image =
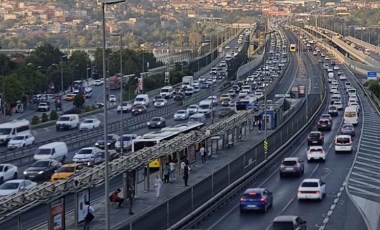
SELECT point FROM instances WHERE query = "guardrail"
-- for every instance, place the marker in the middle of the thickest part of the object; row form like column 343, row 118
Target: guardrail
column 248, row 174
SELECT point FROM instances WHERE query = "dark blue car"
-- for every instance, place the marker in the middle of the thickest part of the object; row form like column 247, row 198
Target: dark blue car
column 256, row 199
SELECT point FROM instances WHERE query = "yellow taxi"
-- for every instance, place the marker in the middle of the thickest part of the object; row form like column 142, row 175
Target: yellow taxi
column 66, row 171
column 69, row 97
column 224, row 97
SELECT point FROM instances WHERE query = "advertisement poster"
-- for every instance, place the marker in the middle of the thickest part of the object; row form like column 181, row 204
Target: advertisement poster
column 192, row 155
column 57, row 214
column 82, row 197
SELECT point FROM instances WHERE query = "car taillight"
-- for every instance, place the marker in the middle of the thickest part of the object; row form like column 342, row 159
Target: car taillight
column 262, row 200
column 318, row 192
column 282, row 166
column 242, row 199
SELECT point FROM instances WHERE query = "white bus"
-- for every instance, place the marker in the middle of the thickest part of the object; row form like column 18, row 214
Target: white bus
column 165, row 134
column 350, row 115
column 11, row 129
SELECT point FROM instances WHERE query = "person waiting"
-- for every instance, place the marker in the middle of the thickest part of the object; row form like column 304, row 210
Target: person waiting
column 116, row 198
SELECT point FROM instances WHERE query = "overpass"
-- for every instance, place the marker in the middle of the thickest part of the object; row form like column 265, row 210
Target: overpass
column 336, row 38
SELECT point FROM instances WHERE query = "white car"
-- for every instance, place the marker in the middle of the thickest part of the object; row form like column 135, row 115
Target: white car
column 124, row 107
column 14, row 186
column 343, row 143
column 98, row 82
column 21, row 141
column 89, row 123
column 354, row 104
column 196, row 89
column 338, row 104
column 214, row 100
column 342, row 77
column 311, row 189
column 112, row 98
column 160, row 103
column 192, row 109
column 86, row 155
column 181, row 115
column 316, row 153
column 7, row 172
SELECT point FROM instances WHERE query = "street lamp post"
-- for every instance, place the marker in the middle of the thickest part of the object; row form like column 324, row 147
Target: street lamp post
column 121, row 91
column 106, row 156
column 62, row 89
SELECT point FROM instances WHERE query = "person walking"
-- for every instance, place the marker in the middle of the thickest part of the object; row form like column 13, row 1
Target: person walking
column 172, row 170
column 88, row 213
column 259, row 125
column 186, row 172
column 166, row 173
column 130, row 197
column 157, row 185
column 115, row 197
column 202, row 151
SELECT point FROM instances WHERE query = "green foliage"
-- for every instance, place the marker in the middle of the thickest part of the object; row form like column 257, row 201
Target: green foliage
column 79, row 100
column 44, row 118
column 13, row 87
column 93, row 107
column 53, row 115
column 45, row 55
column 374, row 87
column 35, row 120
column 87, row 109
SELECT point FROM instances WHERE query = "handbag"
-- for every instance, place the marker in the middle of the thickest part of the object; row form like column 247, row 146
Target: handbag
column 89, row 217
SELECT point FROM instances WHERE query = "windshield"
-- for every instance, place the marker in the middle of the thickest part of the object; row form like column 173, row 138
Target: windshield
column 41, row 164
column 88, row 121
column 160, row 100
column 204, row 106
column 314, row 134
column 9, row 186
column 5, row 131
column 252, row 195
column 193, row 107
column 139, row 99
column 350, row 114
column 1, row 168
column 43, row 151
column 164, row 90
column 64, row 119
column 343, row 140
column 156, row 119
column 66, row 169
column 85, row 151
column 181, row 112
column 289, row 163
column 18, row 138
column 127, row 138
column 309, row 184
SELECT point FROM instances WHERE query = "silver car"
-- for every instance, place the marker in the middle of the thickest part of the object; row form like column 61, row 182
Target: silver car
column 192, row 109
column 292, row 165
column 181, row 115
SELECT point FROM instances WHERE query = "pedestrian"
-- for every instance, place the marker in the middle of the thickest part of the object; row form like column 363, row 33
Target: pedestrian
column 172, row 170
column 115, row 197
column 88, row 213
column 166, row 173
column 186, row 172
column 183, row 164
column 130, row 197
column 202, row 151
column 157, row 185
column 259, row 125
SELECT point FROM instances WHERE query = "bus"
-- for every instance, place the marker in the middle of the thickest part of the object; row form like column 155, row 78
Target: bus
column 13, row 128
column 114, row 82
column 350, row 115
column 165, row 134
column 293, row 48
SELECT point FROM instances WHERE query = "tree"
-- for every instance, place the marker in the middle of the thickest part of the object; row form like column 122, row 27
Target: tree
column 53, row 115
column 45, row 55
column 35, row 120
column 79, row 100
column 44, row 118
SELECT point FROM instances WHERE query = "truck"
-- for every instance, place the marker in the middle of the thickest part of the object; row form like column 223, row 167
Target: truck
column 187, row 81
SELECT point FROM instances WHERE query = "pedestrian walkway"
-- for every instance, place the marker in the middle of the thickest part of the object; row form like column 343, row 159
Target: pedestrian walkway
column 147, row 200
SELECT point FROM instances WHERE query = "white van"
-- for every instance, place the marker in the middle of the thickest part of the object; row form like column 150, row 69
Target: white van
column 351, row 92
column 142, row 99
column 67, row 122
column 11, row 129
column 55, row 150
column 205, row 107
column 197, row 118
column 166, row 92
column 343, row 143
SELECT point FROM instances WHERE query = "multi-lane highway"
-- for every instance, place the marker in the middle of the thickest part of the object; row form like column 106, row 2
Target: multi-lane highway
column 33, row 217
column 333, row 171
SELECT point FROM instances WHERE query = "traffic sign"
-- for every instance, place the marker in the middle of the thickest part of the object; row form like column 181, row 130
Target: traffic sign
column 371, row 75
column 266, row 145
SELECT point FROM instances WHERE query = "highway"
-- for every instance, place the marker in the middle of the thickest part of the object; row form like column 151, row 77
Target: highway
column 34, row 216
column 333, row 172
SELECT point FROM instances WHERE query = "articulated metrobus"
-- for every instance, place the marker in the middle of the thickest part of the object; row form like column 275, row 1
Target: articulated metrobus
column 165, row 134
column 293, row 48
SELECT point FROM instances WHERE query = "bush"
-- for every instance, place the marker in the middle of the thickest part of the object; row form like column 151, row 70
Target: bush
column 35, row 120
column 53, row 115
column 44, row 118
column 93, row 107
column 87, row 109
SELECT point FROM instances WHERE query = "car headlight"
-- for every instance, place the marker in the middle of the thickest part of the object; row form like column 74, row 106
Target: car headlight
column 25, row 172
column 40, row 172
column 148, row 123
column 140, row 110
column 158, row 123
